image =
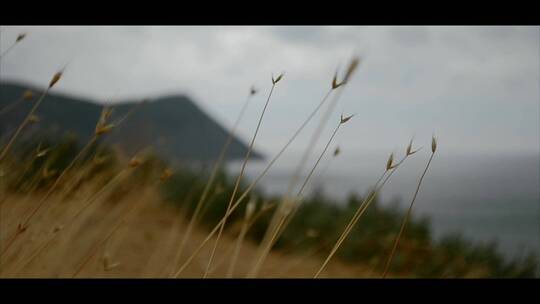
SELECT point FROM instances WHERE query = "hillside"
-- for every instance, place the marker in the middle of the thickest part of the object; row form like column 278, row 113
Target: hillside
column 174, row 125
column 144, row 246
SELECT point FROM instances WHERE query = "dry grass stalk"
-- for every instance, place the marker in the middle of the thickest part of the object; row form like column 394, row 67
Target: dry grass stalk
column 250, row 209
column 101, row 124
column 134, row 108
column 239, row 178
column 353, row 64
column 131, row 210
column 55, row 184
column 29, row 162
column 26, row 96
column 133, row 163
column 19, row 38
column 257, row 179
column 302, row 258
column 85, row 205
column 102, row 127
column 81, row 173
column 172, row 234
column 390, row 169
column 217, row 165
column 407, row 216
column 260, row 176
column 253, row 218
column 254, row 183
column 6, row 149
column 33, row 119
column 34, row 182
column 176, row 258
column 336, row 153
column 290, row 205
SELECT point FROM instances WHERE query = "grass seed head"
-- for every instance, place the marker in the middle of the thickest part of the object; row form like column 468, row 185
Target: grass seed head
column 106, row 113
column 345, row 119
column 350, row 70
column 107, row 265
column 28, row 95
column 100, row 130
column 433, row 144
column 167, row 173
column 33, row 118
column 337, row 151
column 41, row 153
column 20, row 37
column 389, row 163
column 135, row 162
column 55, row 79
column 21, row 228
column 274, row 81
column 102, row 126
column 335, row 83
column 409, row 150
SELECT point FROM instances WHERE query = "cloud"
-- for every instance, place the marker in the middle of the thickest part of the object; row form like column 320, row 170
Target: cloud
column 474, row 86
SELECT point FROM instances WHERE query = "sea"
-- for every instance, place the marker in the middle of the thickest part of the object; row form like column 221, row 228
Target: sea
column 485, row 198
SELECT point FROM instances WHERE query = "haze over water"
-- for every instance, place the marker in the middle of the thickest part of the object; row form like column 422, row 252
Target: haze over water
column 485, row 198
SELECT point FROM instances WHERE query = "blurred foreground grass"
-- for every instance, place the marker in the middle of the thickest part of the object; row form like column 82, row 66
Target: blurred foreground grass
column 135, row 228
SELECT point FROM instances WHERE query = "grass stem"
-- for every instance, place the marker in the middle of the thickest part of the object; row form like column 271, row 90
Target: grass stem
column 239, row 178
column 405, row 220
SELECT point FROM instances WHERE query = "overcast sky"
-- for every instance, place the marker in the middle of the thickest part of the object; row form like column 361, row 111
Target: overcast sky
column 476, row 88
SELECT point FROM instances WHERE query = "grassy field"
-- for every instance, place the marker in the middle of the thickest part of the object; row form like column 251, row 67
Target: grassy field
column 144, row 244
column 129, row 218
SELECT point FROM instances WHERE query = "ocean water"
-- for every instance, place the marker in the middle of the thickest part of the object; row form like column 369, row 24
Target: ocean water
column 484, row 198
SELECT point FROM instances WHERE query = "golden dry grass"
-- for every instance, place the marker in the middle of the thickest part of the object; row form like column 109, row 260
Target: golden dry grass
column 143, row 246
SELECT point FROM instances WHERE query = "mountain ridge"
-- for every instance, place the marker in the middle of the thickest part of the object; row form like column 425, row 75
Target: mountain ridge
column 176, row 127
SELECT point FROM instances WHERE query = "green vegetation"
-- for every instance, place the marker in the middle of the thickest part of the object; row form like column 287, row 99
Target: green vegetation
column 319, row 221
